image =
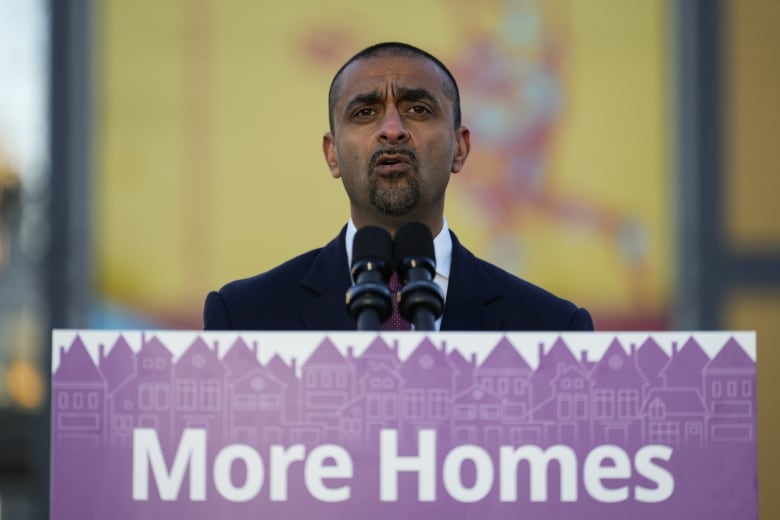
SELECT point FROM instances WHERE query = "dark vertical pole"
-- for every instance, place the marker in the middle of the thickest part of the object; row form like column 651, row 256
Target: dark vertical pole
column 68, row 281
column 700, row 164
column 711, row 166
column 70, row 103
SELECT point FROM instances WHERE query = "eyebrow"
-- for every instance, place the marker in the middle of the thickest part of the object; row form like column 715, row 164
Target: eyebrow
column 403, row 94
column 367, row 98
column 416, row 94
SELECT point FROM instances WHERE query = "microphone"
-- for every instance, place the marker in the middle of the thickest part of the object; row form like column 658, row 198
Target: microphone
column 422, row 301
column 369, row 301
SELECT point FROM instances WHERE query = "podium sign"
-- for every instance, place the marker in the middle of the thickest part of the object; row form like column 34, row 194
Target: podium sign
column 337, row 425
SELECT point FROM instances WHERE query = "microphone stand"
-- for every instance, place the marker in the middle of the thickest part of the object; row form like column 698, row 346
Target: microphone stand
column 422, row 301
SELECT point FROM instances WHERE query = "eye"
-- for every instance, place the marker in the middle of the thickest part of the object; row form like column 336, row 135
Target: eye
column 364, row 112
column 420, row 109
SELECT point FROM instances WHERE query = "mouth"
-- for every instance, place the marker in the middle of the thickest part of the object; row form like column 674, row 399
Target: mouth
column 389, row 164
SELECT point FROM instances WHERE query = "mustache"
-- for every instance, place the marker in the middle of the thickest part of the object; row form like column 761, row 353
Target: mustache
column 381, row 152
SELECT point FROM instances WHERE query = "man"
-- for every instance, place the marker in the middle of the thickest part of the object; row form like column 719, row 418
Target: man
column 395, row 138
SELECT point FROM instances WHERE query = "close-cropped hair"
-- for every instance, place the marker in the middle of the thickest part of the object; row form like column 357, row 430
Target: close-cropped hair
column 390, row 49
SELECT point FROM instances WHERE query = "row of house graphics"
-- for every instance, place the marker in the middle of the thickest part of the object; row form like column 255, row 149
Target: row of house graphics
column 632, row 395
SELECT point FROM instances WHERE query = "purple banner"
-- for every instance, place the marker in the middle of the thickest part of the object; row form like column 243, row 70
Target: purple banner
column 350, row 425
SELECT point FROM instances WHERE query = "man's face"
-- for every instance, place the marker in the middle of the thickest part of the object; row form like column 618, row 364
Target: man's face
column 394, row 144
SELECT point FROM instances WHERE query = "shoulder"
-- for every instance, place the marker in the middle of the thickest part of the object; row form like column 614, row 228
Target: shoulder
column 271, row 300
column 264, row 301
column 293, row 273
column 534, row 307
column 516, row 288
column 280, row 277
column 526, row 306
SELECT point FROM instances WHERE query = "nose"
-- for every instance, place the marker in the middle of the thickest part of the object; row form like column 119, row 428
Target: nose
column 392, row 129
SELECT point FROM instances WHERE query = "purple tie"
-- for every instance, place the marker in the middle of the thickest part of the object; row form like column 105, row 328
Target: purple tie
column 395, row 321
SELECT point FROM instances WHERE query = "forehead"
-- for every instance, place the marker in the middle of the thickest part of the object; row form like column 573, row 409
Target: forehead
column 378, row 73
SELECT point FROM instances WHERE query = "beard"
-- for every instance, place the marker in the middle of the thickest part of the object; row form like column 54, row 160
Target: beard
column 396, row 197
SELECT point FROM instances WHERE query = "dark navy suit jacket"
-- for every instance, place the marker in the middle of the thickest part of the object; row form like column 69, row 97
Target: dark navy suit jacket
column 308, row 293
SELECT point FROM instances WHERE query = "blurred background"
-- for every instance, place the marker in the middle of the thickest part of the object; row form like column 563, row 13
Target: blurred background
column 625, row 156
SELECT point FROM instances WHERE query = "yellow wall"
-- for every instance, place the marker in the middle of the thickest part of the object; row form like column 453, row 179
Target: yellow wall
column 210, row 116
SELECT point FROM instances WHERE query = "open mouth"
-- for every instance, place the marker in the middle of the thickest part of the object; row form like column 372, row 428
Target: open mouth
column 390, row 161
column 393, row 162
column 391, row 165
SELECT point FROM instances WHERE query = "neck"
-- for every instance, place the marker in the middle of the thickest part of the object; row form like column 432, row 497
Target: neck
column 391, row 224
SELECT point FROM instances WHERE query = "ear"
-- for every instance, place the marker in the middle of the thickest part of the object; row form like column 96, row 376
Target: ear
column 463, row 140
column 331, row 157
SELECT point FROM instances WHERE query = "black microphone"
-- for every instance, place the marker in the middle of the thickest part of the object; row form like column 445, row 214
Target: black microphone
column 422, row 301
column 369, row 301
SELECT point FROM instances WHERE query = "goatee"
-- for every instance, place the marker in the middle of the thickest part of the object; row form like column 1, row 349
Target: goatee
column 396, row 197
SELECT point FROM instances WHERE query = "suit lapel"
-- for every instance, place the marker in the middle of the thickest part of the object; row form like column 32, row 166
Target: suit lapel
column 469, row 292
column 327, row 282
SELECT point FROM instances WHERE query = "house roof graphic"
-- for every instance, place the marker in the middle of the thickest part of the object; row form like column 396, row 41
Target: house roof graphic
column 458, row 361
column 240, row 359
column 326, row 354
column 504, row 355
column 281, row 370
column 154, row 348
column 731, row 356
column 119, row 364
column 379, row 348
column 691, row 359
column 477, row 395
column 651, row 359
column 200, row 359
column 617, row 369
column 76, row 365
column 676, row 401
